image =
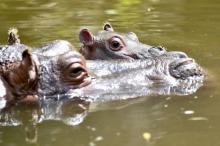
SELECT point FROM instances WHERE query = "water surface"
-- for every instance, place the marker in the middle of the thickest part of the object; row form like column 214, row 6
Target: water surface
column 191, row 26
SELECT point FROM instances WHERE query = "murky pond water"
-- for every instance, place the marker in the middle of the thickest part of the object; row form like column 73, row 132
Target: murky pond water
column 191, row 26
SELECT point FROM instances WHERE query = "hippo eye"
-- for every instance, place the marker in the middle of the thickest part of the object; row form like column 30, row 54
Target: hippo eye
column 116, row 44
column 74, row 72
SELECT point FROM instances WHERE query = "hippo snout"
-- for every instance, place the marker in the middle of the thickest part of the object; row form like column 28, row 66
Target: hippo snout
column 184, row 68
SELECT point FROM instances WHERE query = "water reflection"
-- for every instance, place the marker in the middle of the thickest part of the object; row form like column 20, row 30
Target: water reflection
column 71, row 112
column 73, row 109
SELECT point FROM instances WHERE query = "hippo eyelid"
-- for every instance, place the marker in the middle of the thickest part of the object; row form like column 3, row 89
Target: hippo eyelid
column 74, row 72
column 77, row 70
column 118, row 37
column 78, row 62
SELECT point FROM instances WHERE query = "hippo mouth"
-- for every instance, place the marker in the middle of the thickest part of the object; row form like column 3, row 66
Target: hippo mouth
column 184, row 68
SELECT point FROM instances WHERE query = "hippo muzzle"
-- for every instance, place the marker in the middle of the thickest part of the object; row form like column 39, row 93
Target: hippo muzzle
column 184, row 68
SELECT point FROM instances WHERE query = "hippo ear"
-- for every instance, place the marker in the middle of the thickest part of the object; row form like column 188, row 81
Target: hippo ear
column 86, row 37
column 23, row 79
column 27, row 59
column 29, row 65
column 13, row 37
column 108, row 27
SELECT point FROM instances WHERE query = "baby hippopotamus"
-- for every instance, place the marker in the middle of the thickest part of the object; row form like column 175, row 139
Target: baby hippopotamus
column 108, row 44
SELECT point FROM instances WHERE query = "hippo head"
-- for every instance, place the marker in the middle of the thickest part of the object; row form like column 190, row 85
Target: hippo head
column 61, row 72
column 52, row 69
column 109, row 44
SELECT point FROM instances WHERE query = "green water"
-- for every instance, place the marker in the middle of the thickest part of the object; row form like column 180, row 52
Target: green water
column 192, row 26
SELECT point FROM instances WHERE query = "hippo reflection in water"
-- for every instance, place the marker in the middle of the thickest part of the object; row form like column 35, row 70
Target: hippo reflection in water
column 57, row 69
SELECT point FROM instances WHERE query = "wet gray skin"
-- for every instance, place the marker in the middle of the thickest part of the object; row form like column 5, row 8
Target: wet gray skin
column 108, row 44
column 120, row 79
column 56, row 70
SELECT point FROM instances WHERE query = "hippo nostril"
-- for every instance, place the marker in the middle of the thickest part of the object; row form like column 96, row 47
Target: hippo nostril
column 176, row 54
column 157, row 51
column 160, row 48
column 181, row 55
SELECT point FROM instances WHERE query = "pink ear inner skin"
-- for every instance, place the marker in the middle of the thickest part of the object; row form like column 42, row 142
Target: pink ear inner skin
column 85, row 37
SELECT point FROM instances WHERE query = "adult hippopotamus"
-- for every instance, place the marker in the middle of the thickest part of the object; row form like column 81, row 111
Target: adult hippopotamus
column 57, row 70
column 24, row 73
